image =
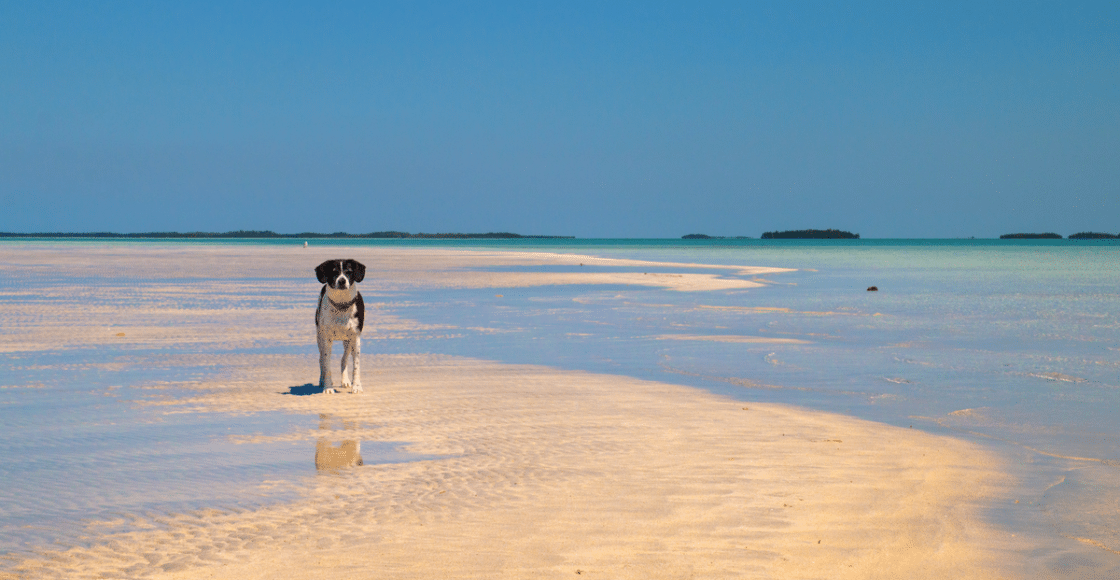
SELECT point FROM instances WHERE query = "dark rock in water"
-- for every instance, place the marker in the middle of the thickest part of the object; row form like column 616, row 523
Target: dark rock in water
column 696, row 237
column 1047, row 236
column 872, row 288
column 810, row 235
column 1093, row 236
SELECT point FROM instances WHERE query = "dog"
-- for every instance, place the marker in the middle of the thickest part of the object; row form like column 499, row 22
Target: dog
column 340, row 316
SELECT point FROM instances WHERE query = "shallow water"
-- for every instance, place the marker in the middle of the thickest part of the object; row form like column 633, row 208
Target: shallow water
column 86, row 446
column 1016, row 347
column 1012, row 345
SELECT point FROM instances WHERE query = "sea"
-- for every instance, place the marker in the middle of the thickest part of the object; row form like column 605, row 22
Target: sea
column 1011, row 344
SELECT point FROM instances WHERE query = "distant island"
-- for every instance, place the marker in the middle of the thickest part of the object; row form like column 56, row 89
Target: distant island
column 266, row 234
column 810, row 235
column 1046, row 236
column 707, row 237
column 1093, row 236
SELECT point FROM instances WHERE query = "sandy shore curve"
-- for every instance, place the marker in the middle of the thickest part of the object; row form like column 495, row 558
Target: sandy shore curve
column 532, row 472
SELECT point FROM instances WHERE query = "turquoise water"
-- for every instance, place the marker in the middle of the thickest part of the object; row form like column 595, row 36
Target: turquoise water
column 1014, row 344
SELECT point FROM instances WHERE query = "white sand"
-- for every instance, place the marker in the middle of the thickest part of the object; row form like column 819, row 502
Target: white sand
column 541, row 473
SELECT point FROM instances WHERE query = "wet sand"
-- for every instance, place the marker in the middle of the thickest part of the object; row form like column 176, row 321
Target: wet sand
column 530, row 471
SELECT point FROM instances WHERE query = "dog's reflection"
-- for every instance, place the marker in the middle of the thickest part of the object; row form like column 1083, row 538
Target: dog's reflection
column 330, row 456
column 345, row 454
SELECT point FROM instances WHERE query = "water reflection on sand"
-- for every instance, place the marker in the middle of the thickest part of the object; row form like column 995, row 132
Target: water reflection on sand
column 335, row 456
column 348, row 453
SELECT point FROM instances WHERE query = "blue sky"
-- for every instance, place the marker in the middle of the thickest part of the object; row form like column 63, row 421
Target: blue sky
column 593, row 119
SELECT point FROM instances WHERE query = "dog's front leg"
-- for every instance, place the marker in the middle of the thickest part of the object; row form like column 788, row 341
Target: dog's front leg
column 346, row 348
column 325, row 364
column 356, row 354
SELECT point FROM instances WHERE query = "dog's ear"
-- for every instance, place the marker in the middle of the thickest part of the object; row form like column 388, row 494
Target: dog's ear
column 359, row 270
column 322, row 271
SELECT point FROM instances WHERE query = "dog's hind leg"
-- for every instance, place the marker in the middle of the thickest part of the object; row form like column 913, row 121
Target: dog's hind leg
column 325, row 364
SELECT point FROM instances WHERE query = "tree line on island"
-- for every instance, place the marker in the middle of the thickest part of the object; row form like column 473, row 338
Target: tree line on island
column 1053, row 236
column 786, row 235
column 267, row 234
column 831, row 234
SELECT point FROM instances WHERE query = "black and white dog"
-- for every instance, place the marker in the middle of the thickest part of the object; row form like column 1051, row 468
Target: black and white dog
column 340, row 316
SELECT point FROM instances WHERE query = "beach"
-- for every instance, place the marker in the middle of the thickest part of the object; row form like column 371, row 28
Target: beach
column 505, row 469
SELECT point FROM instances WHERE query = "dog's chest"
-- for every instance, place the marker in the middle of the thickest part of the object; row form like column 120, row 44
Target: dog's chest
column 337, row 324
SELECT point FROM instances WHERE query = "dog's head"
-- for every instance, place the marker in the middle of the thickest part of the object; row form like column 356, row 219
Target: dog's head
column 340, row 274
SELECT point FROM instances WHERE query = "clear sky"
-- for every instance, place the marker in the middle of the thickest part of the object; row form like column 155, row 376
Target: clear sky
column 592, row 119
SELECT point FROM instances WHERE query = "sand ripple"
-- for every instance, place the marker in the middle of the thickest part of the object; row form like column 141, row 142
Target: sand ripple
column 542, row 473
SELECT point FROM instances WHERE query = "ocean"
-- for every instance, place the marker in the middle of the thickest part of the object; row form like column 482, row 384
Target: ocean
column 1012, row 344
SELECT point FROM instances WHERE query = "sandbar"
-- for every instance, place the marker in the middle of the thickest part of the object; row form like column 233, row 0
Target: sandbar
column 527, row 471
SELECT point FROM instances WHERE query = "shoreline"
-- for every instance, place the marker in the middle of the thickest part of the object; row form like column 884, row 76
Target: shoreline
column 540, row 471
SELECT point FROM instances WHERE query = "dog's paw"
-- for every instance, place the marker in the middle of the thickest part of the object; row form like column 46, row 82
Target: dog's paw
column 356, row 388
column 345, row 384
column 329, row 390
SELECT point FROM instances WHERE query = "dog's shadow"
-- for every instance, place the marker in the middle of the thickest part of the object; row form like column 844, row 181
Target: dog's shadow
column 304, row 390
